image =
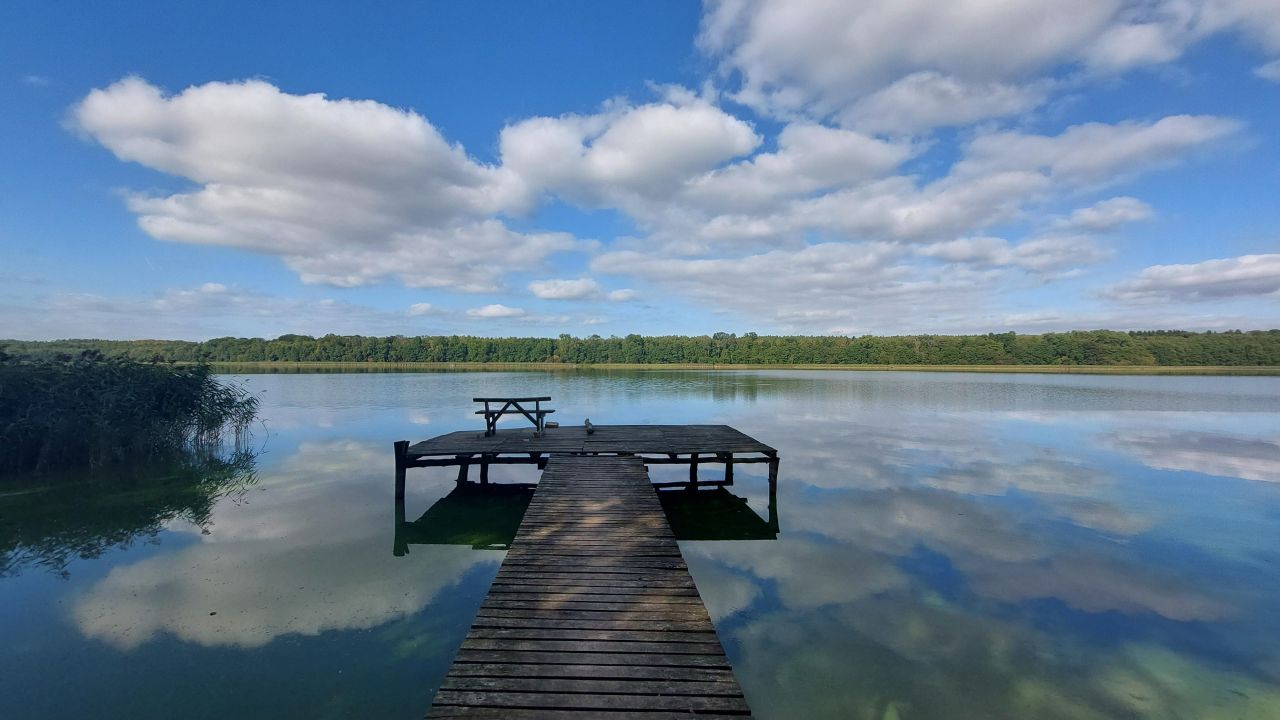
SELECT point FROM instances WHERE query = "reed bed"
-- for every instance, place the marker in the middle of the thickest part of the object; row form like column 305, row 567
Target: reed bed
column 91, row 410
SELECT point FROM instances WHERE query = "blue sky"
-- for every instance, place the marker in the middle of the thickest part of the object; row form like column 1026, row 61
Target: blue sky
column 252, row 169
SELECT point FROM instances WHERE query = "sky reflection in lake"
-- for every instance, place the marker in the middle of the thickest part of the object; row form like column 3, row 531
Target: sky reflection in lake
column 951, row 546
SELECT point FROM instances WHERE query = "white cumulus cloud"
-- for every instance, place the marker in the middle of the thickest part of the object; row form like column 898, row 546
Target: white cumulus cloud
column 565, row 289
column 1108, row 214
column 346, row 192
column 625, row 153
column 1269, row 71
column 1244, row 276
column 868, row 62
column 496, row 310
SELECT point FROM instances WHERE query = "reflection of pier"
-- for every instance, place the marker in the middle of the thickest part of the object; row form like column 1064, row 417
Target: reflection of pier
column 718, row 514
column 593, row 610
column 487, row 517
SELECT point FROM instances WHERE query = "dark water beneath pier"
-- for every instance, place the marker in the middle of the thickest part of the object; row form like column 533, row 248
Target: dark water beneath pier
column 951, row 546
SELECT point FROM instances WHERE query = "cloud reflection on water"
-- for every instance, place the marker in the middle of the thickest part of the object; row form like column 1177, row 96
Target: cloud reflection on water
column 1248, row 458
column 307, row 554
column 852, row 617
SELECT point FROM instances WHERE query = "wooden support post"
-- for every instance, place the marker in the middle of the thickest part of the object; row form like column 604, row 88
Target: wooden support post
column 402, row 450
column 463, row 466
column 484, row 469
column 728, row 468
column 400, row 545
column 693, row 470
column 773, row 493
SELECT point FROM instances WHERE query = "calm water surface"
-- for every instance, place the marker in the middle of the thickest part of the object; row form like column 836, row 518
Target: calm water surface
column 951, row 546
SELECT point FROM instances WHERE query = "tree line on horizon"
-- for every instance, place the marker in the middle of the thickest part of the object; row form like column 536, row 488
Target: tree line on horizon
column 1092, row 347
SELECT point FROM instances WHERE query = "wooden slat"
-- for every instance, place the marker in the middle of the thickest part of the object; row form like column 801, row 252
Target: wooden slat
column 537, row 633
column 608, row 672
column 628, row 686
column 582, row 701
column 593, row 612
column 554, row 623
column 561, row 658
column 488, row 713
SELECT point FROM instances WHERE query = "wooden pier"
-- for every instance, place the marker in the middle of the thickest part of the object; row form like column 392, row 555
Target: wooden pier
column 593, row 612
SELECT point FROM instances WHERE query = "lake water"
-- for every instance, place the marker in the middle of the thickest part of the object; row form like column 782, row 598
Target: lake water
column 951, row 546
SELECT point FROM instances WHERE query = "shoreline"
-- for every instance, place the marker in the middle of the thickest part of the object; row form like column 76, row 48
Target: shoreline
column 278, row 365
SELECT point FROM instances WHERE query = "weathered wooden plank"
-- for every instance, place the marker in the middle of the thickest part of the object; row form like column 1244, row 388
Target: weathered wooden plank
column 597, row 535
column 597, row 593
column 588, row 685
column 451, row 712
column 692, row 703
column 554, row 623
column 535, row 633
column 622, row 555
column 625, row 572
column 671, row 609
column 634, row 592
column 569, row 580
column 606, row 672
column 594, row 646
column 665, row 612
column 584, row 658
column 515, row 557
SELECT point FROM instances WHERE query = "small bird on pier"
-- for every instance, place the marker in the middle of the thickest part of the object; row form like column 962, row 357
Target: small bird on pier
column 590, row 428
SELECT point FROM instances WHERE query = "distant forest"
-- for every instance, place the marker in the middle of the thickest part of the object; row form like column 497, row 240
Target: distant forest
column 1094, row 347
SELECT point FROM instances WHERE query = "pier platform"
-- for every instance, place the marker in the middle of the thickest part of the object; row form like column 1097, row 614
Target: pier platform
column 691, row 445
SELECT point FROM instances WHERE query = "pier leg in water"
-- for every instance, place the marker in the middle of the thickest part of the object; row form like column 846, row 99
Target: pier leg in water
column 773, row 496
column 400, row 545
column 773, row 493
column 728, row 468
column 693, row 470
column 402, row 448
column 484, row 469
column 462, row 469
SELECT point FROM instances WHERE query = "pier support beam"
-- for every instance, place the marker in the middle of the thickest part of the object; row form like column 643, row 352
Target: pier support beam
column 773, row 496
column 402, row 449
column 399, row 544
column 773, row 492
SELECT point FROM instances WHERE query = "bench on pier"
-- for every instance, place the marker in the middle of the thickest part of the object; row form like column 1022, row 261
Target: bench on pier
column 513, row 406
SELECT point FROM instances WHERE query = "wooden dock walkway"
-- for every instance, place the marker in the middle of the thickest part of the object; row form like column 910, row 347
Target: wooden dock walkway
column 593, row 613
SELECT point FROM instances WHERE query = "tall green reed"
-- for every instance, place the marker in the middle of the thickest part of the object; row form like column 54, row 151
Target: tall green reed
column 92, row 410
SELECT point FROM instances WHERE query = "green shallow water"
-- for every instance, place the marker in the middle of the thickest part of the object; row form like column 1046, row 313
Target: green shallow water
column 948, row 546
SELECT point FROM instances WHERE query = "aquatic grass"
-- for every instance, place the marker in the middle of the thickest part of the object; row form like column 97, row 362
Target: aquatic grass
column 91, row 410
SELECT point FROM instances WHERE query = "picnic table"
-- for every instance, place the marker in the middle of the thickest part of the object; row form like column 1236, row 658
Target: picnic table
column 513, row 406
